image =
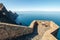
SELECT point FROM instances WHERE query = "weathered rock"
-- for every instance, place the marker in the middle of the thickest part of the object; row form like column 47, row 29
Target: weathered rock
column 7, row 16
column 1, row 6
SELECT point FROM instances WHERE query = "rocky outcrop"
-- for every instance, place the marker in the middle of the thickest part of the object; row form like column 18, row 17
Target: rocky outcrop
column 7, row 16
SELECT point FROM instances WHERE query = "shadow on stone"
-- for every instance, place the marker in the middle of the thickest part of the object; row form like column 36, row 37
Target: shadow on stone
column 55, row 33
column 28, row 36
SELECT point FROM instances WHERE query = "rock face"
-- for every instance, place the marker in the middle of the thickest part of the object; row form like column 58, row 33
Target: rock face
column 38, row 30
column 7, row 16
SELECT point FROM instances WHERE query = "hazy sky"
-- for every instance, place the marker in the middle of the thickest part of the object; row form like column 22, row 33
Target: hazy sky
column 32, row 5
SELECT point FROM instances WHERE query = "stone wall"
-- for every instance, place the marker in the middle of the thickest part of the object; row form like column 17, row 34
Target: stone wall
column 12, row 31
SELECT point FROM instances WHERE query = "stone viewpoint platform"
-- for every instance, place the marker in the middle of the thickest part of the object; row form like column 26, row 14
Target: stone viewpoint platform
column 38, row 30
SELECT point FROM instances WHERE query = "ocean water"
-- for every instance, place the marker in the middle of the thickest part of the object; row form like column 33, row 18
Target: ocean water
column 28, row 16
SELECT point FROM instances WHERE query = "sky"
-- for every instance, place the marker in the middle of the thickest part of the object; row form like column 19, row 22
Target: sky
column 32, row 5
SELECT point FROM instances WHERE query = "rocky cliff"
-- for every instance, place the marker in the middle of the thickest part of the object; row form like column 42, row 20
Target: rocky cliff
column 7, row 16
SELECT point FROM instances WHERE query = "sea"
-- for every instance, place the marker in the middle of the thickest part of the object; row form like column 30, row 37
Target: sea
column 26, row 17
